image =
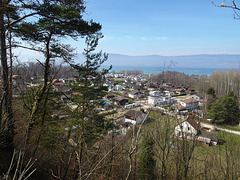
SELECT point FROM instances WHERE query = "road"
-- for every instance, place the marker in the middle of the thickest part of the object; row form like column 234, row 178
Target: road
column 220, row 129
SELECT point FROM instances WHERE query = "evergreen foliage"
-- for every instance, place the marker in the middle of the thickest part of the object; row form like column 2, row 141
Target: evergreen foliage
column 50, row 22
column 226, row 110
column 88, row 92
column 211, row 91
column 55, row 20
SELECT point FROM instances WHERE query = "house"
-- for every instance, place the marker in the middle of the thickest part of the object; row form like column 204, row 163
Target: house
column 167, row 84
column 180, row 91
column 191, row 129
column 159, row 100
column 207, row 138
column 68, row 81
column 60, row 87
column 155, row 93
column 189, row 104
column 133, row 105
column 120, row 101
column 135, row 94
column 137, row 78
column 190, row 91
column 108, row 84
column 116, row 88
column 207, row 129
column 109, row 75
column 194, row 96
column 188, row 128
column 34, row 84
column 134, row 117
column 119, row 75
column 169, row 93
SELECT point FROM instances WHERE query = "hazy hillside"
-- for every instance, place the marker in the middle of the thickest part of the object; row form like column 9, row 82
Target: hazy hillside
column 193, row 61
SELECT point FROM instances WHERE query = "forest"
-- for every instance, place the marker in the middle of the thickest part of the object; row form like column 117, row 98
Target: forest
column 43, row 138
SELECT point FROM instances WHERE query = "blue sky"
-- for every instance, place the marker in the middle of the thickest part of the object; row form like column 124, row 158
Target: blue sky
column 170, row 27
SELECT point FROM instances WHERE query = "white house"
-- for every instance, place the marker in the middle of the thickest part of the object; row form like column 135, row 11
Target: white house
column 189, row 104
column 169, row 93
column 192, row 130
column 119, row 75
column 194, row 96
column 137, row 78
column 135, row 94
column 108, row 84
column 155, row 93
column 188, row 128
column 109, row 75
column 133, row 105
column 134, row 117
column 116, row 88
column 159, row 100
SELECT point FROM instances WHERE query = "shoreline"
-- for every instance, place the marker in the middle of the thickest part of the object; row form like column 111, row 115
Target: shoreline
column 156, row 70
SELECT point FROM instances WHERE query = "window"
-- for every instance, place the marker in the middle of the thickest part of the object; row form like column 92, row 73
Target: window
column 188, row 128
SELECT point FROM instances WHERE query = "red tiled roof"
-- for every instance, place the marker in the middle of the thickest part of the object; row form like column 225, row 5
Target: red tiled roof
column 206, row 128
column 58, row 84
column 14, row 76
column 193, row 123
column 189, row 100
column 76, row 93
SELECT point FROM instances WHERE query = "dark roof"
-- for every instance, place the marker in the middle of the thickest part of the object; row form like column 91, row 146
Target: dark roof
column 193, row 123
column 134, row 114
column 120, row 98
column 210, row 135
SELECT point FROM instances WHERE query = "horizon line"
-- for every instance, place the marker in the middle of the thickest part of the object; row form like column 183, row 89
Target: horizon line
column 176, row 55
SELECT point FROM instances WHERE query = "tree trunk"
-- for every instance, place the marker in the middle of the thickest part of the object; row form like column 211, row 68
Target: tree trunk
column 6, row 124
column 40, row 97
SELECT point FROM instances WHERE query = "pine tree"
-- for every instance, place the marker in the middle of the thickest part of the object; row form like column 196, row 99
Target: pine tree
column 89, row 87
column 226, row 110
column 87, row 93
column 52, row 21
column 55, row 20
column 211, row 91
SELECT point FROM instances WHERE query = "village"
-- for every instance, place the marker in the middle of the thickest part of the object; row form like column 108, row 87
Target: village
column 130, row 97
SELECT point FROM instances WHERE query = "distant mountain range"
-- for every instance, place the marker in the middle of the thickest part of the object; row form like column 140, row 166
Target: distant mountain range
column 187, row 61
column 221, row 61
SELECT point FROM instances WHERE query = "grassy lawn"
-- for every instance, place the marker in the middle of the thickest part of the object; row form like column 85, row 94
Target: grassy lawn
column 227, row 138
